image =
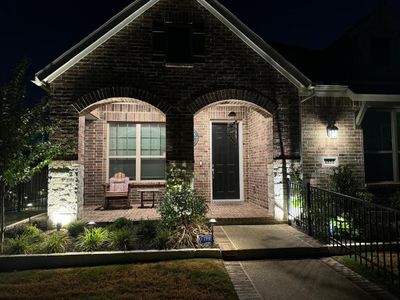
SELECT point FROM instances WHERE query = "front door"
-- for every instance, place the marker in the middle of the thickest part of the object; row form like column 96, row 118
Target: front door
column 225, row 161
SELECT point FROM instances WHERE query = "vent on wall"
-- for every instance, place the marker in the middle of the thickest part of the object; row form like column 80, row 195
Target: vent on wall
column 330, row 162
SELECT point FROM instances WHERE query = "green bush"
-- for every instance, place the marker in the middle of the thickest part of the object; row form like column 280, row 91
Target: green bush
column 147, row 229
column 162, row 239
column 18, row 245
column 182, row 206
column 27, row 240
column 120, row 223
column 15, row 231
column 121, row 239
column 54, row 243
column 344, row 181
column 93, row 239
column 76, row 228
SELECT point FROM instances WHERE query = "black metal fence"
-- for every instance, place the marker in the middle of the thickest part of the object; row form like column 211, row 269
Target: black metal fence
column 28, row 196
column 367, row 231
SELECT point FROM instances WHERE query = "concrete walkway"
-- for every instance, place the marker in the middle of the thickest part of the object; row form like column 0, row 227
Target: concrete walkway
column 319, row 278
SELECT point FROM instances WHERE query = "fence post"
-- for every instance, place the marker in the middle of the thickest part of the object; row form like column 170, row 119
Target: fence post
column 308, row 208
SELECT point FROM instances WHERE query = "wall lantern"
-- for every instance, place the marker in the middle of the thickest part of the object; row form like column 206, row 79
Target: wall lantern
column 232, row 115
column 332, row 130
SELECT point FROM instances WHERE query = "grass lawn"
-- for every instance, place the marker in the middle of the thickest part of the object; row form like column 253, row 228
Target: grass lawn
column 13, row 217
column 372, row 275
column 186, row 279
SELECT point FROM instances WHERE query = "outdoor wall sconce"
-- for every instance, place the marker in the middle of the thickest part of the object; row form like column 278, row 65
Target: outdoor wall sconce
column 332, row 130
column 232, row 115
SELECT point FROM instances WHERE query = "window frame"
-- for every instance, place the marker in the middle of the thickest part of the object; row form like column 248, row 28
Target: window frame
column 395, row 151
column 138, row 157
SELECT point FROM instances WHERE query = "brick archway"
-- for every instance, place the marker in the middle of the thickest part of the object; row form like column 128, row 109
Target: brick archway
column 88, row 101
column 249, row 96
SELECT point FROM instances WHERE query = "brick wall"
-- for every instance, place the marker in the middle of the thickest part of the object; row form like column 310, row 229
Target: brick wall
column 126, row 60
column 348, row 147
column 257, row 151
column 259, row 158
column 95, row 154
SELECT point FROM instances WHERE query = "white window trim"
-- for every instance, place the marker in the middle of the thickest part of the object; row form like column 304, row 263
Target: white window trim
column 138, row 157
column 395, row 151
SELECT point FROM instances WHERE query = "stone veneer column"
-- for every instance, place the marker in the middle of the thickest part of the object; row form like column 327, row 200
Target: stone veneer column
column 282, row 169
column 65, row 192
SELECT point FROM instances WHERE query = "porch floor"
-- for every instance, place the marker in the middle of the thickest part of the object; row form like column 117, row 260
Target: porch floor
column 226, row 213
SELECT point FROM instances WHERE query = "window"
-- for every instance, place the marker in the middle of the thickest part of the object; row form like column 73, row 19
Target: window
column 138, row 150
column 178, row 42
column 381, row 146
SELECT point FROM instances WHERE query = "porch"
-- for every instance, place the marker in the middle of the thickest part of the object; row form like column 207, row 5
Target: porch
column 244, row 213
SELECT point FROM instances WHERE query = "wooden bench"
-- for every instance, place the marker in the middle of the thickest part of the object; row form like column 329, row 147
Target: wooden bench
column 142, row 192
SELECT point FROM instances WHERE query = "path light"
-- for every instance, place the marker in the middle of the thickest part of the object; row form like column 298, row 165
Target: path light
column 212, row 222
column 28, row 207
column 332, row 130
column 59, row 225
column 91, row 224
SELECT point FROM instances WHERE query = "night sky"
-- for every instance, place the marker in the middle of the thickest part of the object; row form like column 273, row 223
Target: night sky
column 42, row 29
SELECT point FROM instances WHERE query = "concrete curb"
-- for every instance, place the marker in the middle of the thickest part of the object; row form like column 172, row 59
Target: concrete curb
column 9, row 263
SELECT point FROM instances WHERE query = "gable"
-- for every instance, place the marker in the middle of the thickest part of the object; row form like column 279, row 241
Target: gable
column 136, row 9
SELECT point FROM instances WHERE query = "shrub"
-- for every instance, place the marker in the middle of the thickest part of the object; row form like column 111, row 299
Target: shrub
column 54, row 243
column 93, row 239
column 15, row 231
column 121, row 239
column 33, row 234
column 365, row 195
column 344, row 181
column 395, row 200
column 120, row 223
column 182, row 206
column 76, row 228
column 18, row 245
column 147, row 230
column 162, row 239
column 41, row 223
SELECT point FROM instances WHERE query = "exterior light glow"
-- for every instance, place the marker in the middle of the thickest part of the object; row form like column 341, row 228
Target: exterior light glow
column 332, row 130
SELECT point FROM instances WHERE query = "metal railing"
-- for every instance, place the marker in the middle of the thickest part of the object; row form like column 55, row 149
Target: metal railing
column 367, row 231
column 31, row 195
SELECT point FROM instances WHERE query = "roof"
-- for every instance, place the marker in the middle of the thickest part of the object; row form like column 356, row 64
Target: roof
column 137, row 8
column 350, row 59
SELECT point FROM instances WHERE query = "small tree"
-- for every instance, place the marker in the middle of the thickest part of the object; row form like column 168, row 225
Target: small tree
column 24, row 146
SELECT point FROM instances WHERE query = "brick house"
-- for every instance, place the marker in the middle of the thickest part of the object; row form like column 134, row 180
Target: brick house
column 185, row 82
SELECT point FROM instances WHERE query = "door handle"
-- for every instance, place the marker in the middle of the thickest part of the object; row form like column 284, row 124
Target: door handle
column 213, row 171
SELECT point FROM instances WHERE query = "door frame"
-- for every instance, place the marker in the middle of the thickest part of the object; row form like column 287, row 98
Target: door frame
column 241, row 177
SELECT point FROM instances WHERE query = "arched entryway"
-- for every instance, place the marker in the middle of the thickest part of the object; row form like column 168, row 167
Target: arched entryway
column 233, row 153
column 121, row 134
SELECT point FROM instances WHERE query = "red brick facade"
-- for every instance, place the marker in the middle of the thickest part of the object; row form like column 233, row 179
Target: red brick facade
column 348, row 147
column 257, row 150
column 124, row 67
column 276, row 128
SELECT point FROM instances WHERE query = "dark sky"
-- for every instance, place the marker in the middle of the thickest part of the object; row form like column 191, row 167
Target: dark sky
column 42, row 29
